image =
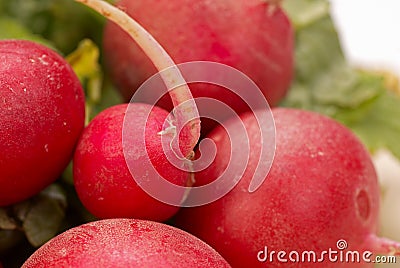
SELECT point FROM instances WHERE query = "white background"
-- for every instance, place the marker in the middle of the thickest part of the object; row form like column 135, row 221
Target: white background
column 370, row 37
column 370, row 31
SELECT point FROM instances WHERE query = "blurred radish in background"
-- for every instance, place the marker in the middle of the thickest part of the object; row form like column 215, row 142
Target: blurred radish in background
column 254, row 37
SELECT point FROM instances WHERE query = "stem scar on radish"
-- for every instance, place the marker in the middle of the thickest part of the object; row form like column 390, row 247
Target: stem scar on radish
column 103, row 179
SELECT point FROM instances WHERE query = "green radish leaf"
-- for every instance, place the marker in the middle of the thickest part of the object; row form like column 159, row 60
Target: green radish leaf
column 38, row 219
column 12, row 29
column 305, row 12
column 100, row 93
column 326, row 83
column 380, row 125
column 63, row 22
column 85, row 62
column 6, row 222
column 45, row 216
column 9, row 239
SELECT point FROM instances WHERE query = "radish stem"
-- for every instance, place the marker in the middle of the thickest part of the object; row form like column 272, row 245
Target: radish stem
column 172, row 77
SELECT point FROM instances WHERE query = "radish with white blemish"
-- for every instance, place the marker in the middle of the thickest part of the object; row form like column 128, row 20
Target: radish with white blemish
column 41, row 117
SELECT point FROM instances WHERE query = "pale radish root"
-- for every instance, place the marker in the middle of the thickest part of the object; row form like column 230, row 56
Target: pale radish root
column 185, row 110
column 382, row 245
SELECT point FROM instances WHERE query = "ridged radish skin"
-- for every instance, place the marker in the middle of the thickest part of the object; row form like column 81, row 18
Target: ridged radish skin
column 101, row 176
column 247, row 34
column 125, row 243
column 41, row 117
column 322, row 188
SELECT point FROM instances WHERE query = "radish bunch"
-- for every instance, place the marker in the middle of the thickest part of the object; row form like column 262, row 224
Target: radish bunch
column 321, row 192
column 322, row 189
column 322, row 184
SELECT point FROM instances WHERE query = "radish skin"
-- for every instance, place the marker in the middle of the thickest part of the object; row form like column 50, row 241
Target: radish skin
column 102, row 179
column 322, row 188
column 41, row 117
column 253, row 36
column 125, row 243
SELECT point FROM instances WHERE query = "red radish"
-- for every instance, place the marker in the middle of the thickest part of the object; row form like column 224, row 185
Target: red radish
column 125, row 243
column 103, row 181
column 322, row 188
column 249, row 35
column 41, row 118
